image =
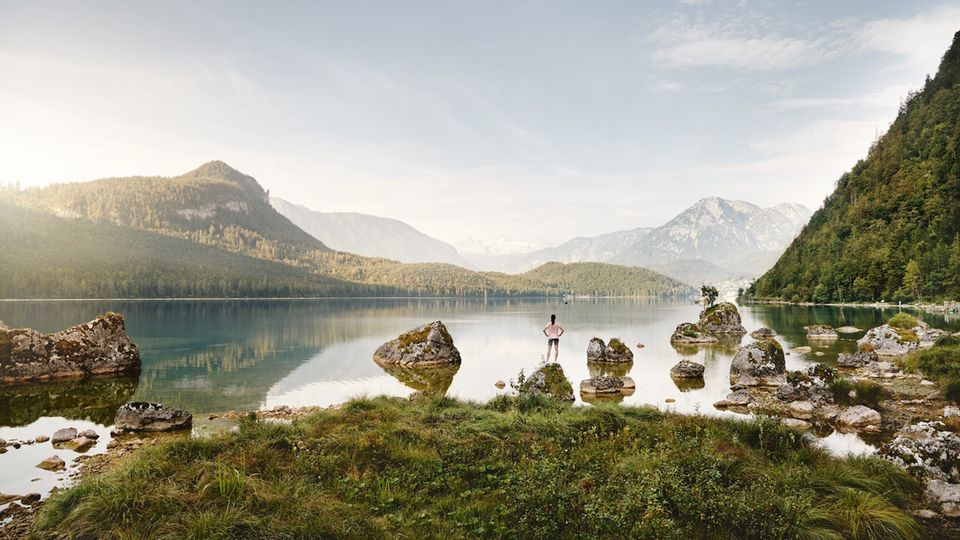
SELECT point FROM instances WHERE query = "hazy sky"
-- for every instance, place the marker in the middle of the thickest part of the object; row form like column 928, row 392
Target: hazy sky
column 520, row 120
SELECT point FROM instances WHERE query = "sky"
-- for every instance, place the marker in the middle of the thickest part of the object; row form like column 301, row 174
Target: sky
column 509, row 123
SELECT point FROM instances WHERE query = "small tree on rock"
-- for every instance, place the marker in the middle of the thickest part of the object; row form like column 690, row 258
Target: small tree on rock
column 709, row 294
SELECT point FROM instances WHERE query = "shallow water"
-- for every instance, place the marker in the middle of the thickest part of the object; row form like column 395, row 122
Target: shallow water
column 213, row 356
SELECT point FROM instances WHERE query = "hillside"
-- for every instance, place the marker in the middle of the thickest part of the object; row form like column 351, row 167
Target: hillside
column 367, row 235
column 890, row 229
column 43, row 256
column 223, row 221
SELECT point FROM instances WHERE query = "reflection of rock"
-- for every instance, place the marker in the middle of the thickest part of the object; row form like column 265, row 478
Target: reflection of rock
column 688, row 384
column 99, row 347
column 614, row 352
column 549, row 380
column 596, row 399
column 762, row 333
column 95, row 399
column 432, row 380
column 758, row 364
column 722, row 318
column 427, row 345
column 140, row 416
column 598, row 369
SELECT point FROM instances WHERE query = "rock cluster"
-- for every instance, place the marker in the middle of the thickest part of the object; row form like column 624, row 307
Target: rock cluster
column 889, row 341
column 758, row 364
column 810, row 385
column 821, row 331
column 857, row 359
column 99, row 347
column 932, row 454
column 141, row 416
column 685, row 369
column 425, row 346
column 614, row 352
column 762, row 333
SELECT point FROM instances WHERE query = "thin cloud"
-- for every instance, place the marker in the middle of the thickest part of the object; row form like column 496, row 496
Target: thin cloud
column 920, row 39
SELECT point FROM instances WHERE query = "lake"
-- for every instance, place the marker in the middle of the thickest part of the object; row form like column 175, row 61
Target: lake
column 215, row 356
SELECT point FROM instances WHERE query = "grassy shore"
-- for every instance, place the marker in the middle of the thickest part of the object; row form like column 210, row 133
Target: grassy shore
column 524, row 467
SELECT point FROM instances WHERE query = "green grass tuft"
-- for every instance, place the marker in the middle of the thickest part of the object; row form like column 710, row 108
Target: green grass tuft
column 903, row 320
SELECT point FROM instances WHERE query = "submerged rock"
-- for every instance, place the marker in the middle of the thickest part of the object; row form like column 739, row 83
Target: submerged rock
column 758, row 364
column 99, row 347
column 614, row 352
column 52, row 463
column 141, row 416
column 685, row 369
column 821, row 331
column 762, row 333
column 722, row 318
column 549, row 380
column 424, row 346
column 690, row 333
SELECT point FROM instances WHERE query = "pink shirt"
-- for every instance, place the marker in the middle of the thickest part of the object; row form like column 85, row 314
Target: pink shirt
column 553, row 330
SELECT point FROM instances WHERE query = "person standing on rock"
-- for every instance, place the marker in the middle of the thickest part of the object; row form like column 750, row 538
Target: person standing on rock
column 553, row 331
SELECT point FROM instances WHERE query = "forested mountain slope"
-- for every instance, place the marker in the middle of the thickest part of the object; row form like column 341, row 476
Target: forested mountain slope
column 890, row 229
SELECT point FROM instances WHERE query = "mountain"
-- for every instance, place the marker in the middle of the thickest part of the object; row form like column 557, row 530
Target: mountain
column 217, row 214
column 891, row 228
column 718, row 231
column 368, row 235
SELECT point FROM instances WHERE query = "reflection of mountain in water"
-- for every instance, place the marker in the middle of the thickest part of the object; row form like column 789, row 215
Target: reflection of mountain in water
column 96, row 400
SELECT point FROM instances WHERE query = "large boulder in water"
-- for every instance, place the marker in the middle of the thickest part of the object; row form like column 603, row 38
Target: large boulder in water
column 690, row 334
column 721, row 319
column 889, row 341
column 615, row 352
column 549, row 380
column 758, row 364
column 99, row 347
column 140, row 416
column 604, row 384
column 429, row 345
column 685, row 369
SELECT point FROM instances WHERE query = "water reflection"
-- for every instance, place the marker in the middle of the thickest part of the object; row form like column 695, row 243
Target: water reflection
column 687, row 384
column 95, row 400
column 432, row 380
column 608, row 369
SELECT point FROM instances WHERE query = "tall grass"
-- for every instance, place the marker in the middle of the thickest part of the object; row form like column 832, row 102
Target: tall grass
column 526, row 467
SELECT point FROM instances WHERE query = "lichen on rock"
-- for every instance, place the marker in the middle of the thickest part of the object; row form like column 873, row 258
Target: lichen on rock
column 760, row 363
column 425, row 346
column 616, row 351
column 722, row 318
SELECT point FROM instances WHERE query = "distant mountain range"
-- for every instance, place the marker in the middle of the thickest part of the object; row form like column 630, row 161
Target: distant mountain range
column 213, row 232
column 713, row 240
column 371, row 236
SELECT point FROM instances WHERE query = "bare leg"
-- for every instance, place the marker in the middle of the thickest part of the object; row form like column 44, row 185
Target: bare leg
column 556, row 351
column 547, row 357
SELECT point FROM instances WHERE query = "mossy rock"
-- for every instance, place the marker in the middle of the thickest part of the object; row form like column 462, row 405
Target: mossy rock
column 722, row 318
column 550, row 380
column 429, row 345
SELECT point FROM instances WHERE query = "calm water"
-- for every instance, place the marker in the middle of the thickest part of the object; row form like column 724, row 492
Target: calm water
column 213, row 356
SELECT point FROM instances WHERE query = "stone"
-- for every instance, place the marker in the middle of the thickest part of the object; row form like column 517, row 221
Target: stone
column 3, row 443
column 758, row 364
column 640, row 345
column 925, row 382
column 947, row 495
column 614, row 352
column 857, row 359
column 690, row 333
column 821, row 332
column 64, row 435
column 80, row 444
column 602, row 385
column 428, row 345
column 762, row 333
column 795, row 423
column 721, row 319
column 685, row 369
column 140, row 416
column 858, row 417
column 737, row 398
column 925, row 514
column 30, row 498
column 927, row 449
column 848, row 330
column 803, row 349
column 52, row 463
column 99, row 347
column 90, row 434
column 889, row 341
column 500, row 384
column 549, row 380
column 802, row 409
column 950, row 411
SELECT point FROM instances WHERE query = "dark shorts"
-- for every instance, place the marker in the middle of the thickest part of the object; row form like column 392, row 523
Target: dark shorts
column 553, row 341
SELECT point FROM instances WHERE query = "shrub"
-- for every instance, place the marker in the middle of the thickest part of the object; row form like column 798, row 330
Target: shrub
column 847, row 392
column 903, row 320
column 948, row 341
column 935, row 363
column 951, row 390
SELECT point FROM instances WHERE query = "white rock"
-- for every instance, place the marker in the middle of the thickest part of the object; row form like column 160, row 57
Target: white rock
column 859, row 417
